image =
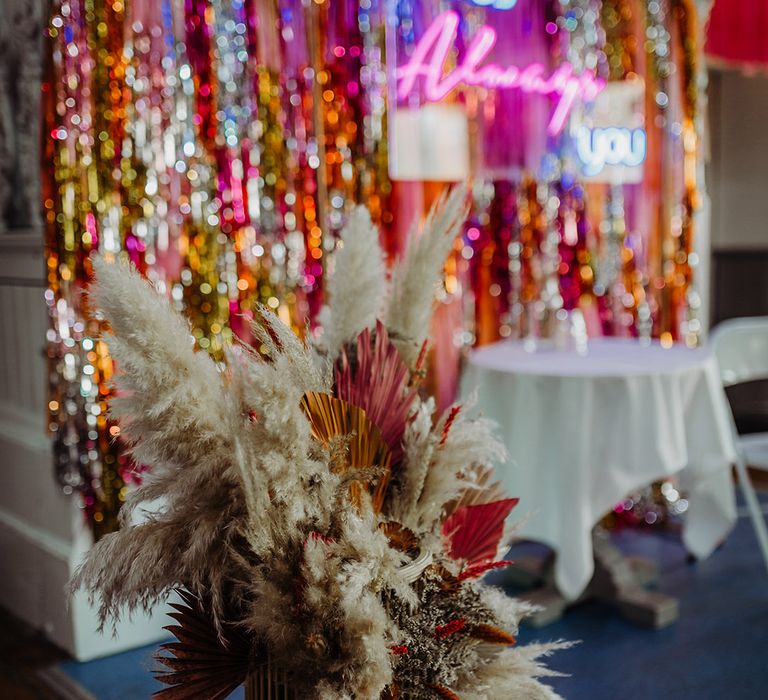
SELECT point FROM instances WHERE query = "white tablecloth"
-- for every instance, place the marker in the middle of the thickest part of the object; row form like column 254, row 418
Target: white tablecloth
column 583, row 431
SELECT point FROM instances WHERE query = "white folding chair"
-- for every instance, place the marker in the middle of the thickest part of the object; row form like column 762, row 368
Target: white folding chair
column 741, row 349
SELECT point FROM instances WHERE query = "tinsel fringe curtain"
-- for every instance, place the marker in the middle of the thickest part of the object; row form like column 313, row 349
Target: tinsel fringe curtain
column 218, row 145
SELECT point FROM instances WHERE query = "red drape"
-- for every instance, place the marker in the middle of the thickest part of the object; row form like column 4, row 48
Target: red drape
column 737, row 33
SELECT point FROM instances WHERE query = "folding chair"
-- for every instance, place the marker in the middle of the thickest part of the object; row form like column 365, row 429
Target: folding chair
column 741, row 349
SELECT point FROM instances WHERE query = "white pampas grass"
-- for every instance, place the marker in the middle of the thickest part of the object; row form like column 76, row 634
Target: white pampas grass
column 357, row 287
column 513, row 672
column 419, row 442
column 172, row 411
column 440, row 462
column 231, row 454
column 289, row 354
column 469, row 441
column 508, row 611
column 345, row 620
column 415, row 278
column 164, row 386
column 256, row 520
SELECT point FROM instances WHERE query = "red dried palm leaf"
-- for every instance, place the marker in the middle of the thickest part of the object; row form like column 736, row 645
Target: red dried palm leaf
column 473, row 533
column 379, row 384
column 478, row 570
column 201, row 663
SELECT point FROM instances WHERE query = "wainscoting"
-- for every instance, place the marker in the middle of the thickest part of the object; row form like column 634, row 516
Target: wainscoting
column 43, row 535
column 35, row 529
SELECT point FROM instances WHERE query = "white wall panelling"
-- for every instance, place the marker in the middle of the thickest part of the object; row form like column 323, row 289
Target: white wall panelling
column 43, row 535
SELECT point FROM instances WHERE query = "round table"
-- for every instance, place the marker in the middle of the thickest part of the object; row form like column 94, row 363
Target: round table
column 584, row 430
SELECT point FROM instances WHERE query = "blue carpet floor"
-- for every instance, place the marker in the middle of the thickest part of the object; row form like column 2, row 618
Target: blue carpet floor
column 718, row 648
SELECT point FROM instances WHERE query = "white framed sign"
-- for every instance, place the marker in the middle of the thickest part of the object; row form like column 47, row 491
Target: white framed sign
column 610, row 140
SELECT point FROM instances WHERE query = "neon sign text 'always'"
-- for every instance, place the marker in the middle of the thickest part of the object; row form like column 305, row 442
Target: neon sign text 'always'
column 429, row 58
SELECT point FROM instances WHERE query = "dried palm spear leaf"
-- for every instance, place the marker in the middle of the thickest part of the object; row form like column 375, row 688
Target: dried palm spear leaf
column 377, row 379
column 203, row 662
column 331, row 417
column 473, row 533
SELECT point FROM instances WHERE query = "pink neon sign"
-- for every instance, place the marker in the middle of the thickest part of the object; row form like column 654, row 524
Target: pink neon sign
column 429, row 58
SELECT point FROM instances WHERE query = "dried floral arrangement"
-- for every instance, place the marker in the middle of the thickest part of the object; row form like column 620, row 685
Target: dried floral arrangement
column 317, row 517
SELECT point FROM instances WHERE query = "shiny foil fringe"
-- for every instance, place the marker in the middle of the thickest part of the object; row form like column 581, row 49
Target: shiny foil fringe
column 214, row 143
column 217, row 144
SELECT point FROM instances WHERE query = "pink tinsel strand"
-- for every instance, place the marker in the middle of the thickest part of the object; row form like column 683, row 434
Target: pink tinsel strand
column 378, row 385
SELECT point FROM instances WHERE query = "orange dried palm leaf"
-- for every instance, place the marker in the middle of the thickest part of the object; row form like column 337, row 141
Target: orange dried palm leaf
column 400, row 537
column 491, row 635
column 331, row 417
column 391, row 692
column 442, row 692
